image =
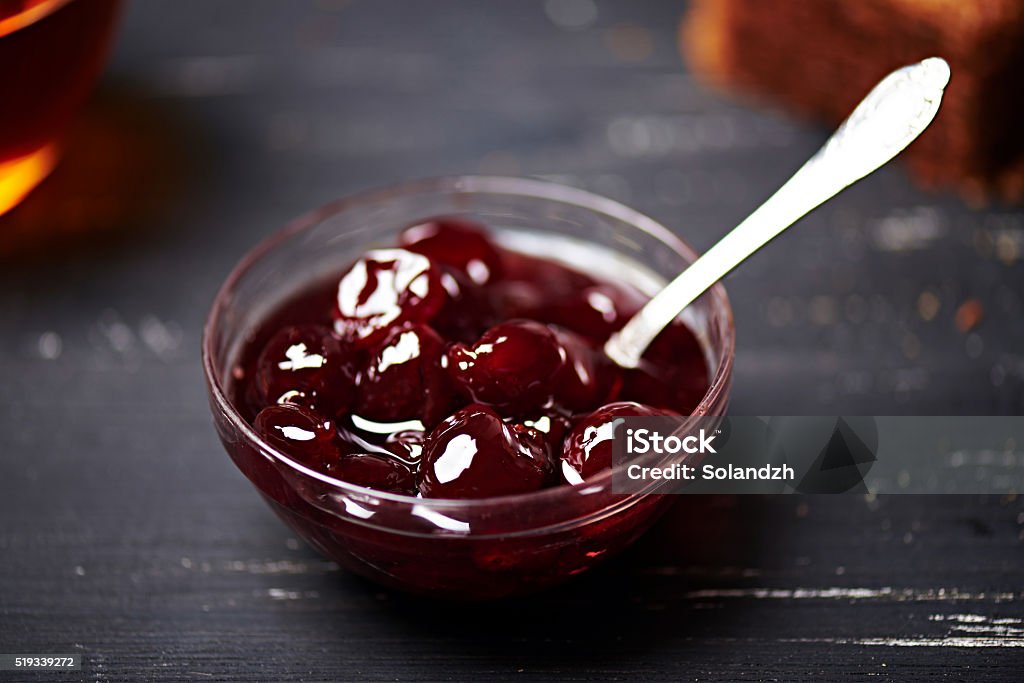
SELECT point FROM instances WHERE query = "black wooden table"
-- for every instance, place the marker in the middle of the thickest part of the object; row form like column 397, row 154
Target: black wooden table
column 127, row 536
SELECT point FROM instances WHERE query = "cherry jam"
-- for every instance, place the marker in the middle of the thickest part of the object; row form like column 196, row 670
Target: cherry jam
column 451, row 367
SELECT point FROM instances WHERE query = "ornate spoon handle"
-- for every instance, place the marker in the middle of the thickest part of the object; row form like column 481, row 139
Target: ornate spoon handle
column 893, row 114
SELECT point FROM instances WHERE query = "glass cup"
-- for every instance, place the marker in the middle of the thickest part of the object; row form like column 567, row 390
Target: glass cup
column 464, row 549
column 51, row 52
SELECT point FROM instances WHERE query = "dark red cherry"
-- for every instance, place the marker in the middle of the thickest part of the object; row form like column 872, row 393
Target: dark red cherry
column 468, row 309
column 299, row 433
column 587, row 378
column 532, row 286
column 383, row 289
column 307, row 365
column 458, row 243
column 672, row 374
column 294, row 397
column 521, row 366
column 588, row 448
column 473, row 454
column 511, row 367
column 375, row 471
column 546, row 428
column 404, row 379
column 595, row 312
column 551, row 276
column 406, row 446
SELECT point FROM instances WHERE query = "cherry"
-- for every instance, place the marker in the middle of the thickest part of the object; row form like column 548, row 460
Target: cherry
column 306, row 365
column 588, row 448
column 545, row 428
column 468, row 309
column 511, row 367
column 385, row 288
column 458, row 243
column 595, row 312
column 375, row 471
column 473, row 454
column 532, row 286
column 300, row 433
column 521, row 366
column 587, row 378
column 406, row 446
column 295, row 397
column 672, row 374
column 404, row 379
column 553, row 279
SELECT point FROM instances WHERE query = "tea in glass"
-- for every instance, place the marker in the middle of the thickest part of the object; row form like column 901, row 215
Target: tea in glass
column 51, row 52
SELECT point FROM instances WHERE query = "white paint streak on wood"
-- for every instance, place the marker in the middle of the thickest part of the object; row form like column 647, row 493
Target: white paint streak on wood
column 844, row 593
column 987, row 633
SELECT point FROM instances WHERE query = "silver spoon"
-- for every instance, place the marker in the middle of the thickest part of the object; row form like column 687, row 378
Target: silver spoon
column 892, row 115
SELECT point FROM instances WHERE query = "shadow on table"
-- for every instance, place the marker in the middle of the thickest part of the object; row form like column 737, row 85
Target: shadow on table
column 122, row 165
column 612, row 614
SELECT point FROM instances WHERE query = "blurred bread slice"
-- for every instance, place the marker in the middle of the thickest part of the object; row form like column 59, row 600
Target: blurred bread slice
column 818, row 58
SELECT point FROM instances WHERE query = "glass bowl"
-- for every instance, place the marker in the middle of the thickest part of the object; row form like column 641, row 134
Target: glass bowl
column 466, row 549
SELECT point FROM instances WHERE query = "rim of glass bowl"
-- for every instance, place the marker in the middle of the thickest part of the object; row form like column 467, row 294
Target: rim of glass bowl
column 499, row 185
